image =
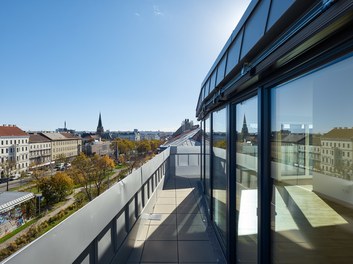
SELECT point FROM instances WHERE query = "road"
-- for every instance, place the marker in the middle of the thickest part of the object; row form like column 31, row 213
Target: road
column 14, row 184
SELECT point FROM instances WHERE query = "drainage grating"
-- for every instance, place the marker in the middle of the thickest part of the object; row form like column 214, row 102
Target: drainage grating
column 152, row 216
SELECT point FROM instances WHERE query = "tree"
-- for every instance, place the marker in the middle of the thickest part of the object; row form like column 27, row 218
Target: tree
column 61, row 158
column 82, row 173
column 55, row 188
column 8, row 167
column 143, row 147
column 90, row 172
column 125, row 146
column 102, row 165
column 37, row 173
column 155, row 144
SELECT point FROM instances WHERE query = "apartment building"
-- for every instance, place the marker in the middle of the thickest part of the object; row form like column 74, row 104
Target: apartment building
column 63, row 144
column 39, row 150
column 14, row 150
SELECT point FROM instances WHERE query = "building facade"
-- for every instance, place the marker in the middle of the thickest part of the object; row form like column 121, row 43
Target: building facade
column 14, row 150
column 130, row 135
column 64, row 145
column 40, row 148
column 100, row 148
column 287, row 191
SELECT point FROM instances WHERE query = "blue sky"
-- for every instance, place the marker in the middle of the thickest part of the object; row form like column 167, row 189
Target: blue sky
column 138, row 62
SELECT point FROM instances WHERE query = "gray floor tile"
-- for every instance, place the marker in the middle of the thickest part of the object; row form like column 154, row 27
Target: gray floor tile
column 141, row 233
column 168, row 200
column 190, row 219
column 196, row 251
column 160, row 251
column 166, row 194
column 188, row 209
column 165, row 219
column 135, row 255
column 164, row 209
column 193, row 232
column 162, row 232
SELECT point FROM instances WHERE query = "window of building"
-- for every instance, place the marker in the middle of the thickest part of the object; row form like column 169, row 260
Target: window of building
column 309, row 204
column 246, row 180
column 219, row 172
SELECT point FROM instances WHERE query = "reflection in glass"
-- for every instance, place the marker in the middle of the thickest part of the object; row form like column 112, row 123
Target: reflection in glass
column 312, row 167
column 208, row 158
column 219, row 176
column 246, row 180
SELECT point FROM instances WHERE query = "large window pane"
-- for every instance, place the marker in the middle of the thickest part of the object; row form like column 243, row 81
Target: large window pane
column 208, row 159
column 246, row 180
column 219, row 175
column 312, row 167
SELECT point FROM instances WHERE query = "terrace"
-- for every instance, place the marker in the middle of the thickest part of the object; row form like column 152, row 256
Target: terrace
column 156, row 214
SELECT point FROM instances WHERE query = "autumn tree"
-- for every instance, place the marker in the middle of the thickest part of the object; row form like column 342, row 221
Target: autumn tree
column 82, row 173
column 155, row 144
column 37, row 174
column 125, row 146
column 61, row 158
column 56, row 188
column 143, row 147
column 90, row 172
column 8, row 167
column 102, row 165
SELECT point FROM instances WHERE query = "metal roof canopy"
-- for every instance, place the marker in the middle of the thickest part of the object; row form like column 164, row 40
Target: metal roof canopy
column 9, row 200
column 262, row 23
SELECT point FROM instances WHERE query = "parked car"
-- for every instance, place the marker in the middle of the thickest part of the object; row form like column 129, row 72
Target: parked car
column 2, row 180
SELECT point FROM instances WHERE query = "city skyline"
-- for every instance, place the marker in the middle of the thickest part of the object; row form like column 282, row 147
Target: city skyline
column 68, row 61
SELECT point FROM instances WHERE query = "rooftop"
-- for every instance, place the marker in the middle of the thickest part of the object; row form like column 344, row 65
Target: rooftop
column 37, row 138
column 339, row 133
column 60, row 136
column 10, row 199
column 11, row 131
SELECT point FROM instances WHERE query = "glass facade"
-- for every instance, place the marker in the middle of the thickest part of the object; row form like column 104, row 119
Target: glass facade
column 246, row 180
column 281, row 133
column 312, row 167
column 207, row 165
column 219, row 171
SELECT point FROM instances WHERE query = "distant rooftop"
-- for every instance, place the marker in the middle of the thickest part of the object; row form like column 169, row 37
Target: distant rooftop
column 188, row 138
column 60, row 136
column 11, row 131
column 37, row 138
column 340, row 133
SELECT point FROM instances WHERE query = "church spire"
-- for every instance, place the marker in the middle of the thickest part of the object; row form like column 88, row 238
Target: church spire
column 244, row 130
column 100, row 129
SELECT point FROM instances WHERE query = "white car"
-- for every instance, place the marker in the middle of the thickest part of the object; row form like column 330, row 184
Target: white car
column 15, row 176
